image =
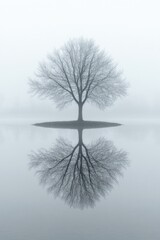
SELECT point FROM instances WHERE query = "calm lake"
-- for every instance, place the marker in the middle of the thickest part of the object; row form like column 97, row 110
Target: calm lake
column 62, row 184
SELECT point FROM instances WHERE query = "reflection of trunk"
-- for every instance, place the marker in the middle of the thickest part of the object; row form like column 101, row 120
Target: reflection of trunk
column 80, row 113
column 80, row 141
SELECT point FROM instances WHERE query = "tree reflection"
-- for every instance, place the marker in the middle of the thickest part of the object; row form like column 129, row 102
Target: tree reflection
column 82, row 173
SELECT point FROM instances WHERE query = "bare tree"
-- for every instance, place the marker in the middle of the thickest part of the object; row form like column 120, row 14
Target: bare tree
column 80, row 174
column 79, row 72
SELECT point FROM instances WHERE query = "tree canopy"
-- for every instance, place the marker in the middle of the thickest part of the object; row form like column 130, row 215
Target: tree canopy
column 79, row 72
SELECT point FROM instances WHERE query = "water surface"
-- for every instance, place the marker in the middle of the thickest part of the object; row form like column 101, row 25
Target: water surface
column 129, row 209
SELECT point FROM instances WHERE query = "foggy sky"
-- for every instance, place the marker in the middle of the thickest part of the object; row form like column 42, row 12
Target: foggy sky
column 128, row 30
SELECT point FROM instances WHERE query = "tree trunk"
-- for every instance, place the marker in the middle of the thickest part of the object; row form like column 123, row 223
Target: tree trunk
column 80, row 112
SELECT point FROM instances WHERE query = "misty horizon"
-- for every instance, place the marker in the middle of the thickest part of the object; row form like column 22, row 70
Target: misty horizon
column 134, row 48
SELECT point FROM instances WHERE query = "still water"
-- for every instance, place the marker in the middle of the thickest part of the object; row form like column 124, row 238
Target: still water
column 66, row 184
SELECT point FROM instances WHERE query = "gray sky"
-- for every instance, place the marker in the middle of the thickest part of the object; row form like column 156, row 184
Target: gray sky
column 128, row 30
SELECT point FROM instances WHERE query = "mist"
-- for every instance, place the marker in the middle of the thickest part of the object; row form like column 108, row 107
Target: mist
column 129, row 32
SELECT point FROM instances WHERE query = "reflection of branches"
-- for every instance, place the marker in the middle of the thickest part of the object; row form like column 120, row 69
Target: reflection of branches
column 79, row 174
